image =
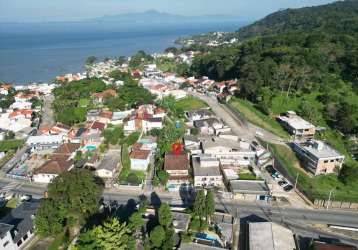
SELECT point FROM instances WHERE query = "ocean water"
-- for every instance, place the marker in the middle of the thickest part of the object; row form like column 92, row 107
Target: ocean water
column 40, row 52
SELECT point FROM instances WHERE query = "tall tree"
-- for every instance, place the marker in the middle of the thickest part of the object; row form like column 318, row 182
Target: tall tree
column 199, row 204
column 209, row 204
column 164, row 215
column 157, row 237
column 113, row 235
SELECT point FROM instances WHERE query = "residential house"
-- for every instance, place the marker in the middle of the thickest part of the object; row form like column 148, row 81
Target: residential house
column 21, row 105
column 17, row 227
column 5, row 89
column 148, row 143
column 118, row 117
column 159, row 113
column 297, row 126
column 248, row 189
column 318, row 157
column 206, row 171
column 108, row 167
column 100, row 97
column 208, row 126
column 96, row 127
column 93, row 114
column 2, row 135
column 192, row 144
column 140, row 159
column 177, row 166
column 42, row 142
column 270, row 236
column 105, row 116
column 198, row 114
column 152, row 123
column 228, row 152
column 52, row 168
column 66, row 150
column 20, row 114
column 178, row 94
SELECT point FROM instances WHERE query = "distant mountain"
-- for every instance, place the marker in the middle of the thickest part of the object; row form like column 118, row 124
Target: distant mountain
column 153, row 16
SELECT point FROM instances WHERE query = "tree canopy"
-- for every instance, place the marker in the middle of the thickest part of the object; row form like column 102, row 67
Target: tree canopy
column 71, row 195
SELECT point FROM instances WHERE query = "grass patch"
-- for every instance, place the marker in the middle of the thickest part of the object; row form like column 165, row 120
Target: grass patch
column 127, row 175
column 256, row 117
column 248, row 176
column 58, row 242
column 317, row 187
column 190, row 103
column 8, row 145
column 6, row 158
column 84, row 103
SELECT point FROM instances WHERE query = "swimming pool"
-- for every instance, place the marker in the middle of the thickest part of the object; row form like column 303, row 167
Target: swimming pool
column 90, row 148
column 205, row 237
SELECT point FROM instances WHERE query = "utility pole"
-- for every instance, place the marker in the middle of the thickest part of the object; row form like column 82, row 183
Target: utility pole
column 329, row 198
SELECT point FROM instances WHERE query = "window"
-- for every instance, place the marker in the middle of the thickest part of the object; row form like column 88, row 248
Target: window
column 19, row 243
column 332, row 161
column 326, row 161
column 25, row 237
column 5, row 244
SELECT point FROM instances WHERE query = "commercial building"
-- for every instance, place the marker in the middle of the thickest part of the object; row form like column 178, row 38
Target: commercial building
column 318, row 157
column 270, row 236
column 297, row 126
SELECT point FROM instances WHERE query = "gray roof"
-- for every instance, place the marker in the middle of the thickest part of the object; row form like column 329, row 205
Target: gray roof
column 201, row 112
column 4, row 228
column 204, row 171
column 195, row 246
column 110, row 161
column 21, row 218
column 249, row 187
column 324, row 152
column 206, row 122
column 220, row 142
column 181, row 221
column 270, row 236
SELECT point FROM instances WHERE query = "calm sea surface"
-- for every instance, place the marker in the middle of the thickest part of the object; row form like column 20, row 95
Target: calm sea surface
column 39, row 52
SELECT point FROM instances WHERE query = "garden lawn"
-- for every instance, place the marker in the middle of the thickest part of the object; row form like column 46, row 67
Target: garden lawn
column 190, row 103
column 126, row 167
column 256, row 117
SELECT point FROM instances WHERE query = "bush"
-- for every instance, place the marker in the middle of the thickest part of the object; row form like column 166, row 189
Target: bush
column 195, row 224
column 133, row 179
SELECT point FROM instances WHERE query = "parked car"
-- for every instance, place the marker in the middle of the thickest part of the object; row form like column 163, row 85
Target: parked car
column 288, row 188
column 270, row 169
column 282, row 183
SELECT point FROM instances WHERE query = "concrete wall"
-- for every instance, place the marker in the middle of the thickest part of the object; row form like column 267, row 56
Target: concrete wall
column 336, row 204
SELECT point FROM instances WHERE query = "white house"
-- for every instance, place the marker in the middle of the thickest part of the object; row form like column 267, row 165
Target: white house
column 17, row 227
column 44, row 141
column 206, row 171
column 228, row 152
column 140, row 159
column 108, row 167
column 152, row 123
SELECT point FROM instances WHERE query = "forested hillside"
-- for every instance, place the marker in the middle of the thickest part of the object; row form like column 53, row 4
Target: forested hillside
column 311, row 66
column 339, row 17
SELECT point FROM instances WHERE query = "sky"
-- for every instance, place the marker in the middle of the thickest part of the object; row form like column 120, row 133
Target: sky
column 74, row 10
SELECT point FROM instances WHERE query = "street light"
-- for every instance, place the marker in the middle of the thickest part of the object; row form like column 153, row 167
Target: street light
column 329, row 198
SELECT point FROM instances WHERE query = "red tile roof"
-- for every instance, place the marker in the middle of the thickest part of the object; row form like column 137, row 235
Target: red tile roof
column 139, row 154
column 56, row 166
column 176, row 162
column 98, row 125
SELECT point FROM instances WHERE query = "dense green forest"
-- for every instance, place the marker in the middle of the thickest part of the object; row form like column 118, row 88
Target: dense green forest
column 305, row 59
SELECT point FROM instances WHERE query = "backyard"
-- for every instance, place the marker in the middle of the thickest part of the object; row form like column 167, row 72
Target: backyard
column 127, row 175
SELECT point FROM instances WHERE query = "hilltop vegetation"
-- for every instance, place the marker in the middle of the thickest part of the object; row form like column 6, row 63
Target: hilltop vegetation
column 310, row 66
